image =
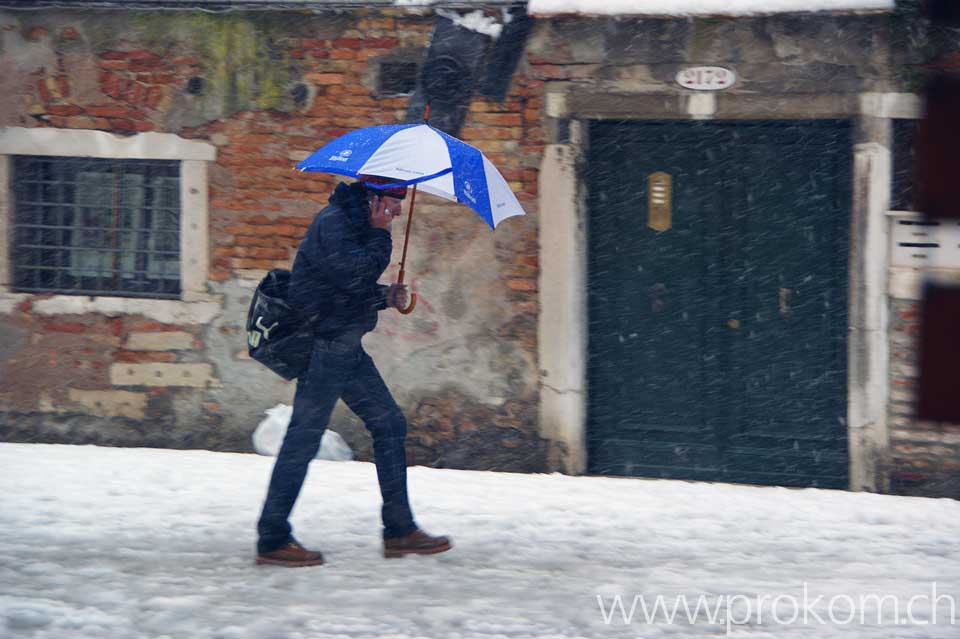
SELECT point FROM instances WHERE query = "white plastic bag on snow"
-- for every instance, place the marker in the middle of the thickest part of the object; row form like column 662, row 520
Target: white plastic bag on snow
column 269, row 435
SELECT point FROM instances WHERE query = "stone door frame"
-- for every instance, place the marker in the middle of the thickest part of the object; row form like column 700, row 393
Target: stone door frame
column 562, row 339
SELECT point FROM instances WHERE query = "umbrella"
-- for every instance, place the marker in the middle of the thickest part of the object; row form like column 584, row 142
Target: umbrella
column 426, row 158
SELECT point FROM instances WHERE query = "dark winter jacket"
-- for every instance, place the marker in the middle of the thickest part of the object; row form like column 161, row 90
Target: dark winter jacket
column 338, row 264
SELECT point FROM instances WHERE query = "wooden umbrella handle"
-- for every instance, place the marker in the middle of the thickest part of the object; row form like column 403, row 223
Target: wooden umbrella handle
column 410, row 306
column 413, row 296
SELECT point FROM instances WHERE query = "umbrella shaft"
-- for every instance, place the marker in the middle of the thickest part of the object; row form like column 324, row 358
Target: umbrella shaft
column 406, row 239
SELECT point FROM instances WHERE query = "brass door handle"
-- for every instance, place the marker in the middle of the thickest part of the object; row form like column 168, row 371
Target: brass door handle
column 784, row 301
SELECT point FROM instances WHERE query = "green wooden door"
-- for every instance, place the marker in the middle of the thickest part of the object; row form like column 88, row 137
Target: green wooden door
column 717, row 346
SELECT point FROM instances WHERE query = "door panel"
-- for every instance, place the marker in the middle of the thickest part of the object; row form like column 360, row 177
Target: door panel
column 717, row 347
column 654, row 323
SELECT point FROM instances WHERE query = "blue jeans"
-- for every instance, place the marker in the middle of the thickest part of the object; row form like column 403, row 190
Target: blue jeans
column 339, row 369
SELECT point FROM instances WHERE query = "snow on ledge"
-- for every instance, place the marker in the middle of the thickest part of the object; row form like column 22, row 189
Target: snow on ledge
column 699, row 7
column 476, row 21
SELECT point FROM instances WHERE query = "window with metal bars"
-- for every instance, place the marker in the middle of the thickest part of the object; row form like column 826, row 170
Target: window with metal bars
column 90, row 226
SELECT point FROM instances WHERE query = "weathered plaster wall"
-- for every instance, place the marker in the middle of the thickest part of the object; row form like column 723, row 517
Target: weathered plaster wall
column 266, row 89
column 812, row 54
column 863, row 68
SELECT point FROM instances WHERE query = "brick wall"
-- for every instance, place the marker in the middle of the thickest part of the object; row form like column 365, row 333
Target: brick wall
column 924, row 456
column 229, row 80
column 108, row 380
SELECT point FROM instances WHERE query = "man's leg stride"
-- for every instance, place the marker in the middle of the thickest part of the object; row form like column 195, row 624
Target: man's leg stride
column 368, row 396
column 316, row 395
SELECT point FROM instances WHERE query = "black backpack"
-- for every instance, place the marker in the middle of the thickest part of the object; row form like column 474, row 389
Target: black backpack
column 277, row 336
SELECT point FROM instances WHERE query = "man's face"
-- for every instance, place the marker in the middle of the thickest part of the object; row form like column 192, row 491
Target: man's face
column 393, row 205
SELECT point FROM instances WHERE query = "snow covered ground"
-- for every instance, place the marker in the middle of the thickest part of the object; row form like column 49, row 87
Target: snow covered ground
column 114, row 543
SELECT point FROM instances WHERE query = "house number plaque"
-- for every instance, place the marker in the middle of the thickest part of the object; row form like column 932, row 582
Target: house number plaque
column 706, row 78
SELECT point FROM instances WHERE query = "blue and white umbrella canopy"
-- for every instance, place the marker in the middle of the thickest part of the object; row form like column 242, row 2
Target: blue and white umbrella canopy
column 419, row 154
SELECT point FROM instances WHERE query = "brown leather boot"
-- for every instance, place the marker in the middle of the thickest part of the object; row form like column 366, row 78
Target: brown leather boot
column 292, row 555
column 416, row 543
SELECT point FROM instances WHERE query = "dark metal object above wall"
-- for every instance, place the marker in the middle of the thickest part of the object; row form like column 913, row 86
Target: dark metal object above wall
column 505, row 55
column 448, row 75
column 944, row 12
column 461, row 62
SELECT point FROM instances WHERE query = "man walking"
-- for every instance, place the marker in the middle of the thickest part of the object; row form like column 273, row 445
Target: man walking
column 335, row 273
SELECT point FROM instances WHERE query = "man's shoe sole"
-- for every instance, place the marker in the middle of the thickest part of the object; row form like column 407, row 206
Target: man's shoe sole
column 394, row 553
column 289, row 564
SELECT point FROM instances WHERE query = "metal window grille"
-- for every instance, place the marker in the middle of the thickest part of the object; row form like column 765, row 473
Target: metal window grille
column 89, row 226
column 398, row 78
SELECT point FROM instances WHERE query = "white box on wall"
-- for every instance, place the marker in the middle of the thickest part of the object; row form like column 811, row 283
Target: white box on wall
column 922, row 243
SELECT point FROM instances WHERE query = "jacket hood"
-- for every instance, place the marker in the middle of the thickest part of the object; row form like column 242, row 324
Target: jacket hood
column 352, row 198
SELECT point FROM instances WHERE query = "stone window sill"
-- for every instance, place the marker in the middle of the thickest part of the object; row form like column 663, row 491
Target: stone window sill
column 193, row 308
